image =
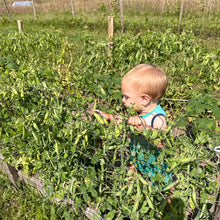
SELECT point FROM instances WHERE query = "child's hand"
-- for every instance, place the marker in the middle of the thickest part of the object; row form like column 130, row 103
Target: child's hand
column 108, row 116
column 138, row 122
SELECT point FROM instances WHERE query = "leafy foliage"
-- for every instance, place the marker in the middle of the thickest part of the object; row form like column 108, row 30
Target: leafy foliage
column 47, row 126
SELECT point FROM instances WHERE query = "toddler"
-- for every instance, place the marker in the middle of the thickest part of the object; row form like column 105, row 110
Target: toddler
column 142, row 87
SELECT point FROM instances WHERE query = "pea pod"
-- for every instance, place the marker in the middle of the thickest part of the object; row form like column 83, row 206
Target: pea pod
column 35, row 136
column 102, row 91
column 35, row 126
column 99, row 119
column 143, row 180
column 135, row 207
column 170, row 186
column 130, row 188
column 150, row 202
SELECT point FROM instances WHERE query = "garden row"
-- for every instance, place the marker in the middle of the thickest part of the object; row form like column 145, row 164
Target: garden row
column 47, row 95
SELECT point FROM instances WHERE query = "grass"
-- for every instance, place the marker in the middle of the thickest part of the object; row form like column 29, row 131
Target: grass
column 202, row 21
column 27, row 204
column 95, row 25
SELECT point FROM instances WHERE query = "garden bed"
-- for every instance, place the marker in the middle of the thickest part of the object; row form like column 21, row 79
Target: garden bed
column 17, row 177
column 47, row 132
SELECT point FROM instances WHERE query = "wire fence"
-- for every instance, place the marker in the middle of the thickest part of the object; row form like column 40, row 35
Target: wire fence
column 157, row 6
column 205, row 12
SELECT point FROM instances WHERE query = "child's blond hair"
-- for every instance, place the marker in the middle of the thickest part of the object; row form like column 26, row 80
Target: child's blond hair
column 147, row 79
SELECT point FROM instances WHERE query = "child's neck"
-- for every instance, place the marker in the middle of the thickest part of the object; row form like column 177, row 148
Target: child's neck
column 150, row 107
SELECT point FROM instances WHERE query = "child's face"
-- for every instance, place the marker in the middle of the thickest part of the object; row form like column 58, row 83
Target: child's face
column 131, row 98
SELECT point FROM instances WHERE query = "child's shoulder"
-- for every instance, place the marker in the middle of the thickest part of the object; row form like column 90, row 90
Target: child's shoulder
column 156, row 118
column 159, row 110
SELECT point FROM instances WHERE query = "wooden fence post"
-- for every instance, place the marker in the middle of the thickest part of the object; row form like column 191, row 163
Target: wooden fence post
column 20, row 26
column 121, row 12
column 9, row 170
column 181, row 14
column 6, row 8
column 110, row 34
column 34, row 9
column 72, row 8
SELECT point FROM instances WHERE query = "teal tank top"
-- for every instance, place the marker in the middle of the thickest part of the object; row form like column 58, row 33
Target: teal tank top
column 143, row 154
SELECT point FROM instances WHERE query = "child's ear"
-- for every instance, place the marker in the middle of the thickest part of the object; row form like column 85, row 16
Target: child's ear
column 145, row 99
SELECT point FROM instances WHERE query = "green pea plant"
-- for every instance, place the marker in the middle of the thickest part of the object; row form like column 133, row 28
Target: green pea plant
column 48, row 128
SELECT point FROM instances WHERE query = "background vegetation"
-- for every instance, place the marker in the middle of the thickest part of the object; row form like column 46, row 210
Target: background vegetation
column 54, row 73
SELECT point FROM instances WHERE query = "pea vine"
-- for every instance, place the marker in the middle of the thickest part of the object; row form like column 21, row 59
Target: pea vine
column 48, row 129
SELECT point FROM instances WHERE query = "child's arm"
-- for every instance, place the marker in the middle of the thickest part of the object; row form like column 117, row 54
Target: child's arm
column 109, row 117
column 159, row 123
column 136, row 121
column 139, row 123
